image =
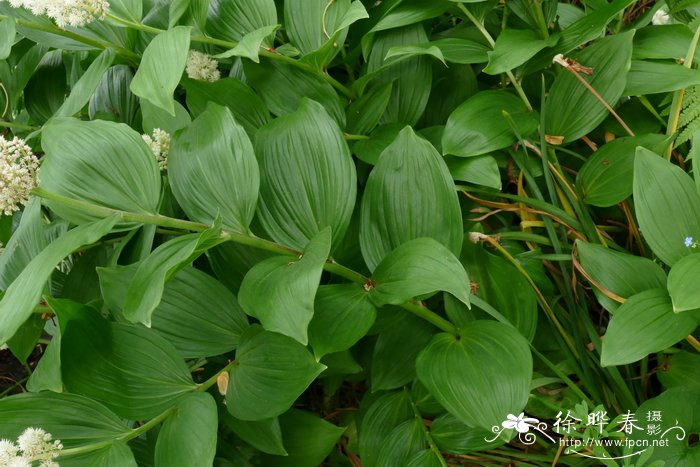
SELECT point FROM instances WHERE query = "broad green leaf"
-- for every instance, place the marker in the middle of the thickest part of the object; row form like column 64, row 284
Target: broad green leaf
column 272, row 370
column 161, row 67
column 606, row 177
column 213, row 171
column 246, row 106
column 392, row 214
column 343, row 314
column 74, row 419
column 620, row 273
column 678, row 408
column 233, row 19
column 644, row 324
column 308, row 179
column 117, row 454
column 232, row 261
column 396, row 349
column 27, row 241
column 454, row 437
column 148, row 282
column 128, row 368
column 364, row 113
column 479, row 170
column 250, row 44
column 667, row 41
column 283, row 88
column 102, row 163
column 86, row 85
column 404, row 441
column 112, row 99
column 47, row 374
column 369, row 150
column 129, row 9
column 462, row 51
column 45, row 92
column 666, row 204
column 188, row 436
column 412, row 76
column 155, row 117
column 453, row 370
column 416, row 50
column 513, row 48
column 25, row 291
column 417, row 267
column 683, row 284
column 177, row 10
column 280, row 291
column 571, row 110
column 478, row 126
column 7, row 36
column 265, row 435
column 411, row 12
column 308, row 439
column 425, row 458
column 647, row 77
column 680, row 370
column 385, row 414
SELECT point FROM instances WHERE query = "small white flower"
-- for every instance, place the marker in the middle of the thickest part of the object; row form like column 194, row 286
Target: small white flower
column 35, row 442
column 19, row 171
column 48, row 463
column 521, row 423
column 159, row 144
column 202, row 67
column 66, row 12
column 18, row 462
column 8, row 451
column 660, row 17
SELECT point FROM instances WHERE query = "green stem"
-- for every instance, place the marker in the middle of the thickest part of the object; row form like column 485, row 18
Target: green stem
column 18, row 126
column 244, row 239
column 541, row 22
column 480, row 26
column 677, row 104
column 431, row 443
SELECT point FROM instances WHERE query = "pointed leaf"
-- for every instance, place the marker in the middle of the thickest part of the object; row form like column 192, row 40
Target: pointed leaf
column 161, row 67
column 250, row 44
column 645, row 323
column 233, row 19
column 7, row 36
column 25, row 291
column 513, row 48
column 98, row 162
column 213, row 170
column 647, row 77
column 453, row 370
column 265, row 435
column 385, row 414
column 86, row 85
column 666, row 204
column 188, row 436
column 404, row 441
column 683, row 284
column 272, row 371
column 308, row 179
column 112, row 99
column 280, row 291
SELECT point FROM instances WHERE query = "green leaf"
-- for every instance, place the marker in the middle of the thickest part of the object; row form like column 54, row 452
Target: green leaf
column 25, row 291
column 404, row 441
column 453, row 370
column 425, row 458
column 161, row 67
column 74, row 419
column 308, row 179
column 478, row 126
column 117, row 454
column 45, row 92
column 416, row 50
column 213, row 171
column 606, row 177
column 128, row 368
column 264, row 435
column 364, row 113
column 112, row 99
column 280, row 291
column 392, row 214
column 667, row 41
column 369, row 150
column 683, row 284
column 307, row 438
column 644, row 324
column 148, row 282
column 272, row 370
column 620, row 273
column 680, row 370
column 513, row 48
column 129, row 9
column 27, row 241
column 343, row 314
column 233, row 19
column 188, row 436
column 246, row 106
column 462, row 51
column 283, row 88
column 646, row 77
column 311, row 23
column 154, row 117
column 666, row 205
column 411, row 12
column 417, row 267
column 250, row 44
column 396, row 349
column 479, row 170
column 86, row 85
column 454, row 437
column 98, row 162
column 385, row 414
column 571, row 110
column 7, row 36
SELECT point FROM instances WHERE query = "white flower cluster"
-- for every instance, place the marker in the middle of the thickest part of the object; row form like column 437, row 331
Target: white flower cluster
column 19, row 171
column 66, row 12
column 202, row 67
column 32, row 444
column 159, row 143
column 661, row 17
